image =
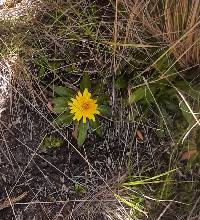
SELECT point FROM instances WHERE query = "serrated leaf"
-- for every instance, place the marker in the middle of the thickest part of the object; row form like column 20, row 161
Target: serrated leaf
column 64, row 118
column 82, row 133
column 62, row 91
column 105, row 110
column 60, row 104
column 85, row 82
column 96, row 126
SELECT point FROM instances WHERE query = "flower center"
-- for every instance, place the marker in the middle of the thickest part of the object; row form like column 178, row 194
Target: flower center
column 85, row 106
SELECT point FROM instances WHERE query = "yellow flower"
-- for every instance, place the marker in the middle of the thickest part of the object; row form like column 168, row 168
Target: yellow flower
column 83, row 106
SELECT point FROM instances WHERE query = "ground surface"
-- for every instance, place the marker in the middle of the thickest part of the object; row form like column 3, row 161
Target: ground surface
column 50, row 175
column 48, row 178
column 55, row 44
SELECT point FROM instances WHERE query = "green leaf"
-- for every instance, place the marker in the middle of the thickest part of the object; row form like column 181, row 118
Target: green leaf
column 153, row 179
column 79, row 189
column 121, row 83
column 96, row 126
column 137, row 95
column 165, row 65
column 185, row 111
column 96, row 89
column 149, row 94
column 163, row 121
column 42, row 72
column 85, row 82
column 59, row 109
column 102, row 99
column 62, row 91
column 133, row 205
column 144, row 94
column 82, row 133
column 64, row 118
column 54, row 65
column 52, row 142
column 193, row 91
column 60, row 104
column 105, row 110
column 171, row 105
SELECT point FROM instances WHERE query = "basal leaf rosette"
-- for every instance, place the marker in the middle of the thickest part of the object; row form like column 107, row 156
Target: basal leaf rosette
column 81, row 108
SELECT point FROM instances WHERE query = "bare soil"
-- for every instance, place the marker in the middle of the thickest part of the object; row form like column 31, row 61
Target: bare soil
column 48, row 177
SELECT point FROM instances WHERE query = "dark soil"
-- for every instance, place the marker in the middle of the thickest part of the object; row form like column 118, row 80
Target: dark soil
column 49, row 176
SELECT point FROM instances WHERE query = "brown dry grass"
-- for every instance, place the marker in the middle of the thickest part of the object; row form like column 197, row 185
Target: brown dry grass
column 170, row 23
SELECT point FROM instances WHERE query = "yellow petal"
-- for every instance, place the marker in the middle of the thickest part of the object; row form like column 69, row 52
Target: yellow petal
column 92, row 117
column 78, row 116
column 97, row 112
column 86, row 93
column 73, row 111
column 84, row 119
column 74, row 118
column 79, row 94
column 73, row 100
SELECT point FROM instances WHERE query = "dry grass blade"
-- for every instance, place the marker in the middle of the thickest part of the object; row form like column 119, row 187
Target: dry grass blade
column 9, row 201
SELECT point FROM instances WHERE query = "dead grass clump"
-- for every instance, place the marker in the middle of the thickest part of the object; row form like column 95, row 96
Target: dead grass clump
column 171, row 23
